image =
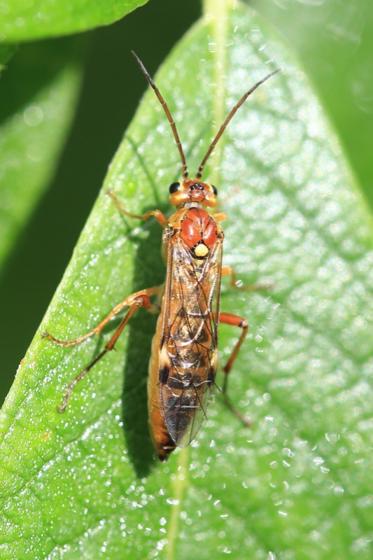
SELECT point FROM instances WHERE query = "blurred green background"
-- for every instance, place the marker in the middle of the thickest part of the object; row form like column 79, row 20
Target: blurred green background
column 332, row 38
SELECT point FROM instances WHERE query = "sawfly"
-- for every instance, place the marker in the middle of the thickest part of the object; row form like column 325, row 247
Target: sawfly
column 184, row 355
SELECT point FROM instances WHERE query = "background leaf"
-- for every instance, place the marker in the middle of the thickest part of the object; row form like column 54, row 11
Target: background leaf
column 6, row 52
column 296, row 484
column 31, row 19
column 334, row 41
column 34, row 121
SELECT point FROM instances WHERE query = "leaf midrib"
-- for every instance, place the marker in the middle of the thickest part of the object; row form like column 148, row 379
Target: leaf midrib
column 216, row 11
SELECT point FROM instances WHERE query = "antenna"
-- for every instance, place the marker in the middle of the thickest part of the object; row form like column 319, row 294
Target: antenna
column 228, row 119
column 167, row 111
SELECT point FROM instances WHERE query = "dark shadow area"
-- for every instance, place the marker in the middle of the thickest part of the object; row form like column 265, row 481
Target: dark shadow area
column 150, row 272
column 111, row 91
column 36, row 64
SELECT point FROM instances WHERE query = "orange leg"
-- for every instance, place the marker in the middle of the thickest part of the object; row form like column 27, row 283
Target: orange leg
column 157, row 214
column 133, row 302
column 234, row 320
column 234, row 282
column 133, row 298
column 219, row 216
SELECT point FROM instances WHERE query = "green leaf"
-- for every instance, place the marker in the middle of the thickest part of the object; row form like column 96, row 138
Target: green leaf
column 34, row 121
column 295, row 485
column 6, row 52
column 22, row 20
column 334, row 41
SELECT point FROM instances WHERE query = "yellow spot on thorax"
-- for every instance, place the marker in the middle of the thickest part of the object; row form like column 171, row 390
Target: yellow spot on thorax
column 201, row 250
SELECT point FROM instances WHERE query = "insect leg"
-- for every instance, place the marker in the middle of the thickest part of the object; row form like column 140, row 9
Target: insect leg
column 234, row 282
column 234, row 320
column 142, row 300
column 157, row 214
column 117, row 309
column 219, row 216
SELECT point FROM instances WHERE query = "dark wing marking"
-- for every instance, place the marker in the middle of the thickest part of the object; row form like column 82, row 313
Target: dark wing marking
column 188, row 348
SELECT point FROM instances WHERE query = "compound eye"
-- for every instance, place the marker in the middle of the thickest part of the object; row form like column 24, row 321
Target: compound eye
column 215, row 190
column 174, row 187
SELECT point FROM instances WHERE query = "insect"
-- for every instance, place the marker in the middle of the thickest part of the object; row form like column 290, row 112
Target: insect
column 184, row 360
